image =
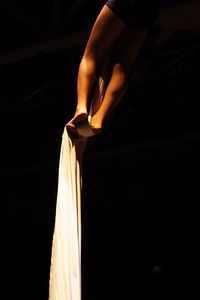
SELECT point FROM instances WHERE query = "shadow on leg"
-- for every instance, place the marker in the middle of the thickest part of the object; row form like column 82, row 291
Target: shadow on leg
column 125, row 52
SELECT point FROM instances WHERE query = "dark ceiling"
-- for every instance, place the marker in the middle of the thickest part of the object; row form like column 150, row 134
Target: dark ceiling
column 58, row 24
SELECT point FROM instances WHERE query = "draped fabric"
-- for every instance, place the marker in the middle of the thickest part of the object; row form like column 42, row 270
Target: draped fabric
column 65, row 268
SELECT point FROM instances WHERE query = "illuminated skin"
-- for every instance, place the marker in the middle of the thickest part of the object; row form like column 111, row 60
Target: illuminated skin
column 107, row 30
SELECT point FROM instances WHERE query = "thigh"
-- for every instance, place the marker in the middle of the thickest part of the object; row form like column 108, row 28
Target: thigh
column 107, row 28
column 128, row 46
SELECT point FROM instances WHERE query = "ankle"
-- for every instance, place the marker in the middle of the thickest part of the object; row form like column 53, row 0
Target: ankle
column 81, row 109
column 96, row 122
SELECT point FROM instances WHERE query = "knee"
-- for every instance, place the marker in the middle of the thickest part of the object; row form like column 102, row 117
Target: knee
column 88, row 64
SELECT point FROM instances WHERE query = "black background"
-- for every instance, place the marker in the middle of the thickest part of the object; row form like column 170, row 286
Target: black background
column 140, row 176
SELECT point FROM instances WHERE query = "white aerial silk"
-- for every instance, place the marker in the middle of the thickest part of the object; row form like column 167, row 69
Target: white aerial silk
column 65, row 268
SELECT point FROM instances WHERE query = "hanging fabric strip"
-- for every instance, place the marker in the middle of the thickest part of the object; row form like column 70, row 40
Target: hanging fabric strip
column 65, row 270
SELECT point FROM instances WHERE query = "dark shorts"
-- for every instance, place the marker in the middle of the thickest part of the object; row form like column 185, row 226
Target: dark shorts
column 135, row 13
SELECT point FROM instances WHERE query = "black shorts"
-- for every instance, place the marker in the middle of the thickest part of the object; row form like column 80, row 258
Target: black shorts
column 135, row 13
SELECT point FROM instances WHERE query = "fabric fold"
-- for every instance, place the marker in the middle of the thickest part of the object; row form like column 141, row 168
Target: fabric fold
column 65, row 269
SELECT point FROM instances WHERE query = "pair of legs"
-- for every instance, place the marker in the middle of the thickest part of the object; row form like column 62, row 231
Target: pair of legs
column 109, row 32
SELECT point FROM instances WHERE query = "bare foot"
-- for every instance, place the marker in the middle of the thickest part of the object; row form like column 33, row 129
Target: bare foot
column 96, row 125
column 96, row 130
column 72, row 125
column 78, row 117
column 84, row 129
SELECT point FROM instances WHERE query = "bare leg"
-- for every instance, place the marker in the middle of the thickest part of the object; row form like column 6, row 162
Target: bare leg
column 127, row 49
column 105, row 31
